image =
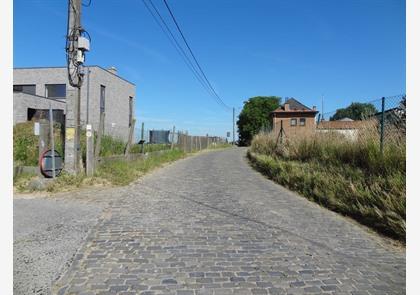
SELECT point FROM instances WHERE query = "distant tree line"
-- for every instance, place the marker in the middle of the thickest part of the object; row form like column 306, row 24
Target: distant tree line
column 355, row 111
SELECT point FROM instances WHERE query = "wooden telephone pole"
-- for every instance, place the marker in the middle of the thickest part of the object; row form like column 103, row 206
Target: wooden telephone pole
column 76, row 46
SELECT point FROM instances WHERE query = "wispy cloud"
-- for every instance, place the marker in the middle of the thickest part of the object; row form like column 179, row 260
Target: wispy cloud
column 93, row 27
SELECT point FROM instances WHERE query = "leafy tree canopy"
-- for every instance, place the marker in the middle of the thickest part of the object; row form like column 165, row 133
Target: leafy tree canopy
column 355, row 111
column 255, row 116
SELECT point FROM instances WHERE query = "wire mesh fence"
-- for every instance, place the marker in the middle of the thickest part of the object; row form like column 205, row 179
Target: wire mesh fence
column 382, row 121
column 151, row 140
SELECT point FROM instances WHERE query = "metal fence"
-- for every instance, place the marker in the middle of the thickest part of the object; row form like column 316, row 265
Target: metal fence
column 382, row 121
column 150, row 139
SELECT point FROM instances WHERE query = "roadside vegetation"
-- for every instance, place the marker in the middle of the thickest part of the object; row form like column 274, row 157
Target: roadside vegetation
column 25, row 145
column 115, row 173
column 349, row 177
column 112, row 173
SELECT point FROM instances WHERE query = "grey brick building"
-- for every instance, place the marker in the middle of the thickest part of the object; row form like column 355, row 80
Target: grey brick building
column 102, row 91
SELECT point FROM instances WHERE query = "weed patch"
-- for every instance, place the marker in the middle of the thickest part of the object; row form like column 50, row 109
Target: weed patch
column 350, row 177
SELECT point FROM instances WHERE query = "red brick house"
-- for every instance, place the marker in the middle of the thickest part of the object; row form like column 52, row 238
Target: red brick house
column 295, row 118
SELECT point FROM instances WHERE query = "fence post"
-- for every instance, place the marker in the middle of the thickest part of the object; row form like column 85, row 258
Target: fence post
column 184, row 141
column 382, row 125
column 99, row 137
column 89, row 151
column 43, row 136
column 191, row 143
column 130, row 138
column 142, row 138
column 173, row 137
column 52, row 140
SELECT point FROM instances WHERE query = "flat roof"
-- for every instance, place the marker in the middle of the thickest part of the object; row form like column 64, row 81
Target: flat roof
column 63, row 67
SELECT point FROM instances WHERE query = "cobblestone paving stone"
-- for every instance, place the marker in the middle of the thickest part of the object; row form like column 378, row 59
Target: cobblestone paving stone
column 209, row 224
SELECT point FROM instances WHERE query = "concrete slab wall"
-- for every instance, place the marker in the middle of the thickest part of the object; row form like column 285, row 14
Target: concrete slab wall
column 22, row 102
column 117, row 95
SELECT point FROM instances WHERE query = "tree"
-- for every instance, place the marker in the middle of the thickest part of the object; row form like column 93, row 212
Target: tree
column 355, row 111
column 255, row 116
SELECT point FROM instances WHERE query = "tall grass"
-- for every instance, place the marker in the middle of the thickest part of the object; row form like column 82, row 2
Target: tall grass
column 352, row 177
column 25, row 144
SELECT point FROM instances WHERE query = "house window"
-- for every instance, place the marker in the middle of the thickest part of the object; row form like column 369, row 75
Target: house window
column 293, row 122
column 302, row 121
column 29, row 89
column 130, row 111
column 55, row 90
column 102, row 100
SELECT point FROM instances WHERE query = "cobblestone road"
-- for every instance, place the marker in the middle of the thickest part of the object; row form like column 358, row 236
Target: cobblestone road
column 209, row 224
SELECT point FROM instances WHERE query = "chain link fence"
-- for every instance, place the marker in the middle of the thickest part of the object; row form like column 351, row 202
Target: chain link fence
column 382, row 121
column 151, row 140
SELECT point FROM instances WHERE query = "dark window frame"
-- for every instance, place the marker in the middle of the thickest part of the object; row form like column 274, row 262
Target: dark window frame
column 130, row 110
column 61, row 96
column 102, row 97
column 15, row 86
column 302, row 120
column 293, row 120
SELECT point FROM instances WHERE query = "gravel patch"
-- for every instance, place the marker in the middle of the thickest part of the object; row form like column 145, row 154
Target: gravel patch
column 46, row 234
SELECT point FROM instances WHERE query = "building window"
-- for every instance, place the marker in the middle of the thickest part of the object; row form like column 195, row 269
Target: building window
column 102, row 100
column 302, row 121
column 293, row 122
column 29, row 89
column 55, row 90
column 130, row 111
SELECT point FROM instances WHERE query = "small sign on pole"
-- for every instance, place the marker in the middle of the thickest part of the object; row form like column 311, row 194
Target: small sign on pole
column 228, row 134
column 36, row 128
column 89, row 151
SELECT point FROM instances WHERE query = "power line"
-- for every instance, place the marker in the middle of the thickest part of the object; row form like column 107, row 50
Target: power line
column 168, row 33
column 192, row 54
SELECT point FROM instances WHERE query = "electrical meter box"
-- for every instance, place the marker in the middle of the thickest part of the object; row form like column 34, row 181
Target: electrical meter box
column 83, row 43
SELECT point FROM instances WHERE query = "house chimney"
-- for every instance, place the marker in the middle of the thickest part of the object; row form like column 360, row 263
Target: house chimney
column 286, row 107
column 314, row 108
column 113, row 70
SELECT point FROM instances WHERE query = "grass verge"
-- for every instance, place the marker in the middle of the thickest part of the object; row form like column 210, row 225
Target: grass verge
column 351, row 178
column 115, row 173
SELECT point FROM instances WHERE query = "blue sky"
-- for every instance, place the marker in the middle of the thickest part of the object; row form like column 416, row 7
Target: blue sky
column 348, row 51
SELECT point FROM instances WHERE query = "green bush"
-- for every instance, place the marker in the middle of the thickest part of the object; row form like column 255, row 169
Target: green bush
column 25, row 144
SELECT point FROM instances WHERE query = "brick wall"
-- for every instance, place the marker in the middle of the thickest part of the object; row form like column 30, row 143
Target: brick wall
column 297, row 130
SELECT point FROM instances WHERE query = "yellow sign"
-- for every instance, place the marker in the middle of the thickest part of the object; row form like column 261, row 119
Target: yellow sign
column 69, row 133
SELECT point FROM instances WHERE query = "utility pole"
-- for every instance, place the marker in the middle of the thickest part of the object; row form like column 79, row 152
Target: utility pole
column 233, row 127
column 76, row 46
column 322, row 108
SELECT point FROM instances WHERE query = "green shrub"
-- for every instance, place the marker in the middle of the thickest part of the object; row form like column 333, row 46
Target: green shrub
column 25, row 144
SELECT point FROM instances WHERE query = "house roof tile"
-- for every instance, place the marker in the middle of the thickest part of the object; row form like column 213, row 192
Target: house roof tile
column 294, row 106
